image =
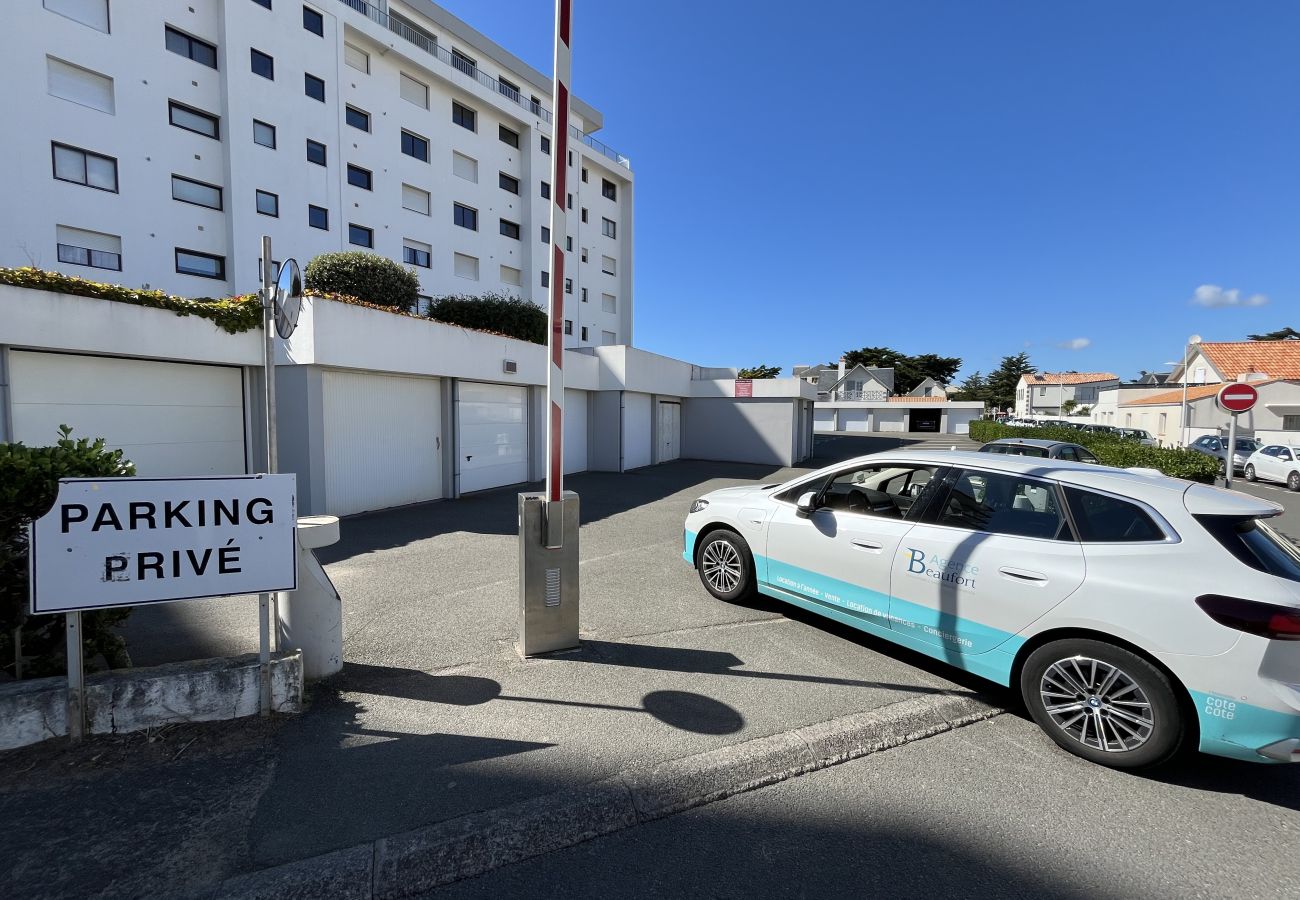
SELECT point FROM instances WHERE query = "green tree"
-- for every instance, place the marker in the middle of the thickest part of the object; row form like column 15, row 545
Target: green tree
column 759, row 372
column 1282, row 334
column 975, row 387
column 1067, row 407
column 909, row 371
column 1003, row 382
column 366, row 276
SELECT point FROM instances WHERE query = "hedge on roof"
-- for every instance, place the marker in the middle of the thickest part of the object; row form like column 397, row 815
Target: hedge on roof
column 367, row 276
column 499, row 313
column 1111, row 450
column 231, row 314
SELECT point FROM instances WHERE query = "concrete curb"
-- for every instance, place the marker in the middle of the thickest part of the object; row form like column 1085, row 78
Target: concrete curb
column 417, row 861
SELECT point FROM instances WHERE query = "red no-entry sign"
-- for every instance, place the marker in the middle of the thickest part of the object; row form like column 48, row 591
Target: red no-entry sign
column 1237, row 398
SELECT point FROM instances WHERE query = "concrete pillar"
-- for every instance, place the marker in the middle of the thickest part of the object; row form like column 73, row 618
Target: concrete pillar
column 311, row 617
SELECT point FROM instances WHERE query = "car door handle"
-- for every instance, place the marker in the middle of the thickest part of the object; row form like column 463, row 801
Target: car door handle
column 869, row 546
column 1024, row 575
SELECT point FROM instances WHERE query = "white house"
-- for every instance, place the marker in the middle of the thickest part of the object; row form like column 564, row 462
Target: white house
column 160, row 140
column 862, row 399
column 1045, row 393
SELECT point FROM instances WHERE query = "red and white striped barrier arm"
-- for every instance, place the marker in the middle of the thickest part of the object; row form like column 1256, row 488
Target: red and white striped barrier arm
column 559, row 194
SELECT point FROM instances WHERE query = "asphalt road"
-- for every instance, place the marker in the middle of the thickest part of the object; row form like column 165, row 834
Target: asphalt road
column 990, row 810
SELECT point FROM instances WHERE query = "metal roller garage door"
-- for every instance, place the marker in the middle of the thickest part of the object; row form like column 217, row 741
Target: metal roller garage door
column 493, row 435
column 854, row 419
column 891, row 420
column 575, row 431
column 383, row 441
column 167, row 418
column 824, row 419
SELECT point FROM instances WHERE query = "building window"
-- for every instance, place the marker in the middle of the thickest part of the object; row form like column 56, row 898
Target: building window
column 509, row 89
column 465, row 266
column 608, row 190
column 1291, row 423
column 511, row 275
column 570, row 157
column 93, row 13
column 608, row 265
column 465, row 216
column 546, row 234
column 510, row 229
column 93, row 249
column 508, row 182
column 608, row 228
column 463, row 166
column 546, row 279
column 263, row 134
column 415, row 199
column 546, row 144
column 268, row 204
column 608, row 338
column 80, row 86
column 180, row 43
column 415, row 146
column 313, row 21
column 464, row 116
column 568, row 243
column 356, row 58
column 83, row 167
column 466, row 64
column 584, row 254
column 266, row 3
column 584, row 174
column 568, row 326
column 318, row 217
column 569, row 198
column 584, row 215
column 357, row 118
column 568, row 285
column 584, row 295
column 204, row 265
column 359, row 177
column 608, row 303
column 508, row 136
column 262, row 64
column 361, row 236
column 187, row 190
column 413, row 91
column 314, row 87
column 584, row 332
column 315, row 152
column 415, row 253
column 194, row 120
column 546, row 190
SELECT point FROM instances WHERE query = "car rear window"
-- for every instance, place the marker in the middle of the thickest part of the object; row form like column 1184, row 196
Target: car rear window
column 1104, row 519
column 1021, row 450
column 1255, row 544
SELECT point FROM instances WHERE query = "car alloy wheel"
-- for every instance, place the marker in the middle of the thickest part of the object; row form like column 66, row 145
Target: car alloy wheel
column 1097, row 704
column 720, row 565
column 1293, row 481
column 1250, row 473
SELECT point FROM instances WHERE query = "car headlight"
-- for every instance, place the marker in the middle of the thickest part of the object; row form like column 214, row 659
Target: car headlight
column 699, row 505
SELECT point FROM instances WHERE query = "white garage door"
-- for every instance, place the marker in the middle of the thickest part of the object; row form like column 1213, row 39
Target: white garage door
column 670, row 431
column 638, row 447
column 575, row 431
column 891, row 420
column 167, row 418
column 383, row 441
column 493, row 435
column 854, row 419
column 824, row 419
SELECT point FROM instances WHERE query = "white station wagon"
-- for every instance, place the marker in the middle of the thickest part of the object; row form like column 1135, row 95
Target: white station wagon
column 1136, row 613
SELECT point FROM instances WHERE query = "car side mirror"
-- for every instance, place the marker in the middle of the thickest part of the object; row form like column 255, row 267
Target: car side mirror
column 806, row 504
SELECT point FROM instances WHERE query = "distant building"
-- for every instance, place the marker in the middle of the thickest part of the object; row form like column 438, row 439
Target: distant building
column 862, row 399
column 1045, row 393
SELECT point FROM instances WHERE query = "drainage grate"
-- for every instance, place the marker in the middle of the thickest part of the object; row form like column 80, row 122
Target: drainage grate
column 552, row 587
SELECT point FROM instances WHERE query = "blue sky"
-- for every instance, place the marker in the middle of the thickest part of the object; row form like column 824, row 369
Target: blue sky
column 965, row 178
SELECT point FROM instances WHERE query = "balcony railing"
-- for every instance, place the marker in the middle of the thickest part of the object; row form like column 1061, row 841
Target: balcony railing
column 430, row 45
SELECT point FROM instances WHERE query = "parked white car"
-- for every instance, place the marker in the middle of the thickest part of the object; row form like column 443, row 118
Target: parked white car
column 1275, row 462
column 1135, row 612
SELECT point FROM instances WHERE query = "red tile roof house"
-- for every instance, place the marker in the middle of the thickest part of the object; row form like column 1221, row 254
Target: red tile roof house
column 1043, row 393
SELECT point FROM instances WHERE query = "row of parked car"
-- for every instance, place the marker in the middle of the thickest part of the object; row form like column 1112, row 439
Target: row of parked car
column 1130, row 434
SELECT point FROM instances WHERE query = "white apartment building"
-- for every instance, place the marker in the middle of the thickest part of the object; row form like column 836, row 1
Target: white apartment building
column 154, row 143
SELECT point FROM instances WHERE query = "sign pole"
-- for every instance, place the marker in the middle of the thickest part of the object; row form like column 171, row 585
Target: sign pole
column 264, row 600
column 559, row 195
column 76, row 678
column 1232, row 449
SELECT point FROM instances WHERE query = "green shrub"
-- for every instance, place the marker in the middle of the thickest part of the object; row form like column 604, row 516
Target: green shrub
column 366, row 276
column 231, row 314
column 1111, row 450
column 493, row 312
column 29, row 483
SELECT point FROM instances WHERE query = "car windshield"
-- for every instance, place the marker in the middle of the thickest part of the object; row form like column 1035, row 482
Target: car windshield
column 1247, row 445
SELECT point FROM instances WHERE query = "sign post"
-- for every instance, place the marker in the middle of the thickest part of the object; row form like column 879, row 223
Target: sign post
column 265, row 600
column 76, row 678
column 548, row 524
column 1234, row 399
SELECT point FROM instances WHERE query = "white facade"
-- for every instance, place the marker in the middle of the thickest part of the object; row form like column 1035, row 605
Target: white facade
column 120, row 183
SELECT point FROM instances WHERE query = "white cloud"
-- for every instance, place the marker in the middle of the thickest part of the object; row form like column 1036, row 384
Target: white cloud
column 1075, row 343
column 1215, row 297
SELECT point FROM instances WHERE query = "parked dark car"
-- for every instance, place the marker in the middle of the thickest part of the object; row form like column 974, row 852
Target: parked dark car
column 1141, row 435
column 1213, row 445
column 1044, row 449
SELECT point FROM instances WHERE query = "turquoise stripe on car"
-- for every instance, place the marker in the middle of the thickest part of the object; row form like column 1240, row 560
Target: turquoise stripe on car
column 688, row 546
column 1236, row 729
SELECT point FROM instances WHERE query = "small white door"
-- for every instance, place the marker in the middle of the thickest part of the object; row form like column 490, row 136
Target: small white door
column 670, row 431
column 493, row 444
column 854, row 419
column 575, row 431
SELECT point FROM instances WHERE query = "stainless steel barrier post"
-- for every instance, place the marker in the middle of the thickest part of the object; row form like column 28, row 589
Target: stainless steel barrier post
column 548, row 576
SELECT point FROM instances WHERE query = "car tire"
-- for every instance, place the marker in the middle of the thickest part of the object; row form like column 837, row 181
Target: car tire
column 726, row 566
column 1127, row 714
column 1250, row 473
column 1293, row 481
column 1223, row 467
